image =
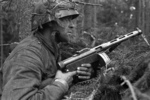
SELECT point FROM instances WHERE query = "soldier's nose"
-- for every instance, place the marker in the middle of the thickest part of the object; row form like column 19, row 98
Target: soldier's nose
column 71, row 25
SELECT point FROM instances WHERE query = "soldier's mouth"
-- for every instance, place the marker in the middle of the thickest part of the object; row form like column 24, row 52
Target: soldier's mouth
column 71, row 36
column 69, row 33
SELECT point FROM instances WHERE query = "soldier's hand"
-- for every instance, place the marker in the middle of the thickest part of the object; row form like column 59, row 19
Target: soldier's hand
column 84, row 71
column 68, row 77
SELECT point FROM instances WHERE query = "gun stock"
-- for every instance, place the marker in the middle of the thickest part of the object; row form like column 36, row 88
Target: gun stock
column 94, row 54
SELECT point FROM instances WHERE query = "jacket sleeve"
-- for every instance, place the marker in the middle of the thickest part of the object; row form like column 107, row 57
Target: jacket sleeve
column 23, row 78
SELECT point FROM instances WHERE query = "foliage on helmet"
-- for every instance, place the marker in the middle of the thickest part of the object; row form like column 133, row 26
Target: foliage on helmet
column 52, row 10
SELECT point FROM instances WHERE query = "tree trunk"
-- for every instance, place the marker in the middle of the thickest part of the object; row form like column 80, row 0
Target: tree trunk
column 23, row 17
column 95, row 17
column 147, row 17
column 88, row 17
column 1, row 37
column 144, row 15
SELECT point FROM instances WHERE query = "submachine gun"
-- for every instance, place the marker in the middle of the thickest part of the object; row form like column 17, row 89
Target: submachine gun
column 95, row 54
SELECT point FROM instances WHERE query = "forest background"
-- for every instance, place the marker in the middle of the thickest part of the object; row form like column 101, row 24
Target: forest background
column 103, row 19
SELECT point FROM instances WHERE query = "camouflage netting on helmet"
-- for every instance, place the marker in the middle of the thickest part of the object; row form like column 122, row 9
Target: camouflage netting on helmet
column 52, row 10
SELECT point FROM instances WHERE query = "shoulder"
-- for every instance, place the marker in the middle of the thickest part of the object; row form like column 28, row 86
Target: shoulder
column 31, row 42
column 27, row 46
column 26, row 53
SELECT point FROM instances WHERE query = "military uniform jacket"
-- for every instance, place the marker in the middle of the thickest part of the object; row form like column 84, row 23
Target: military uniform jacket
column 28, row 66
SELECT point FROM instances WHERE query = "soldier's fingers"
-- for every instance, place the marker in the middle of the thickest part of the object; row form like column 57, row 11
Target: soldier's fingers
column 84, row 77
column 86, row 65
column 84, row 73
column 82, row 69
column 72, row 73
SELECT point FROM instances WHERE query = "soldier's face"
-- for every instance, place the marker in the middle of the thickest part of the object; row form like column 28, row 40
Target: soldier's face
column 65, row 28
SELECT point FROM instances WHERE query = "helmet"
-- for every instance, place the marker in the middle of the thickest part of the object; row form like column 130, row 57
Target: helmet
column 52, row 10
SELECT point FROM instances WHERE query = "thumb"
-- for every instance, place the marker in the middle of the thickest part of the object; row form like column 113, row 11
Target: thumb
column 72, row 73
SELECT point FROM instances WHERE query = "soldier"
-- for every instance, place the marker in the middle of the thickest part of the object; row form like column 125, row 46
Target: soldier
column 31, row 72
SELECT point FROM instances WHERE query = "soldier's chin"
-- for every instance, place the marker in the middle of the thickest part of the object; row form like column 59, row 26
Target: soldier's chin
column 71, row 37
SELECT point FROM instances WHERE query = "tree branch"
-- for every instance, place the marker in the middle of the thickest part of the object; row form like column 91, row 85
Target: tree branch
column 83, row 3
column 130, row 87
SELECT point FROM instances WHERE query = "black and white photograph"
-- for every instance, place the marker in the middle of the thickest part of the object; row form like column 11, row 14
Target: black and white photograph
column 74, row 49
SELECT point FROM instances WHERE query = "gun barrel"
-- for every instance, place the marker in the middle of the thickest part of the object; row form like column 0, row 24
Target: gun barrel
column 119, row 39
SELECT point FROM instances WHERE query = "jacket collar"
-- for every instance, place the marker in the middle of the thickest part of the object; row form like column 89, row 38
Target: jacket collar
column 50, row 46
